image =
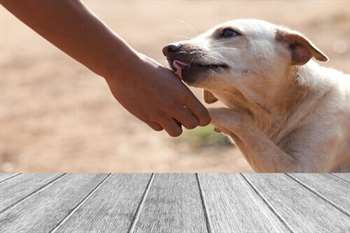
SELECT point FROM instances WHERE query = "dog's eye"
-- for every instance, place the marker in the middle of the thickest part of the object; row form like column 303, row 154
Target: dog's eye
column 229, row 33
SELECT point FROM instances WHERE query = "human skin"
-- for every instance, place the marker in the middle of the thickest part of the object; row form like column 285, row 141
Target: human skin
column 146, row 89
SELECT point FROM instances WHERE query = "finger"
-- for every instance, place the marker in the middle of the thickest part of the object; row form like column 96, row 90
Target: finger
column 171, row 127
column 198, row 110
column 185, row 117
column 155, row 126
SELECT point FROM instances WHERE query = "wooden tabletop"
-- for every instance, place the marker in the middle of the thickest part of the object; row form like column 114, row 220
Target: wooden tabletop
column 175, row 203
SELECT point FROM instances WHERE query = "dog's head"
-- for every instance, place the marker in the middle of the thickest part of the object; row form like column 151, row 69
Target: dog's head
column 248, row 55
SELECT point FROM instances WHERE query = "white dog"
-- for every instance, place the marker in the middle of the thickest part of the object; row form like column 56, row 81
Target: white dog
column 284, row 111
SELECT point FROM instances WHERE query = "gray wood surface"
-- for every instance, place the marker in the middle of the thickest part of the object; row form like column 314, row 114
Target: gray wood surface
column 331, row 188
column 233, row 206
column 111, row 208
column 344, row 176
column 175, row 203
column 43, row 210
column 19, row 187
column 172, row 205
column 302, row 210
column 6, row 176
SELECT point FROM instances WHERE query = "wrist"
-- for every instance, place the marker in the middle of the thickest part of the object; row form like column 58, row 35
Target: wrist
column 121, row 63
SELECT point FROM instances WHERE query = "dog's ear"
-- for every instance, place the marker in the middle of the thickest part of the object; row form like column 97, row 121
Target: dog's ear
column 301, row 48
column 209, row 98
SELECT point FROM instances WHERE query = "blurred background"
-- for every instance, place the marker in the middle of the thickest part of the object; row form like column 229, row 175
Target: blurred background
column 55, row 115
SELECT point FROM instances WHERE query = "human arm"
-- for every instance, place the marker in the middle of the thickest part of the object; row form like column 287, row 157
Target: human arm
column 145, row 88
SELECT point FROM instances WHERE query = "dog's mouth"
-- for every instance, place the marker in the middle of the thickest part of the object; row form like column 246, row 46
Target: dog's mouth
column 187, row 70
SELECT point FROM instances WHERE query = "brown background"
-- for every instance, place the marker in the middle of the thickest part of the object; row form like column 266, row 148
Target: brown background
column 55, row 115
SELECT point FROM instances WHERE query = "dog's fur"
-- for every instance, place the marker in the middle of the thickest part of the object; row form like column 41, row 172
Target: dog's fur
column 285, row 112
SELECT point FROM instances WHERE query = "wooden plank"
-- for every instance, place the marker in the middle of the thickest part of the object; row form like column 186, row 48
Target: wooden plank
column 111, row 208
column 46, row 208
column 172, row 205
column 6, row 176
column 14, row 190
column 344, row 176
column 302, row 210
column 233, row 206
column 332, row 189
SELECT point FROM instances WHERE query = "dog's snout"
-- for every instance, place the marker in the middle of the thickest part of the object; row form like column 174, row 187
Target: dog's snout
column 171, row 49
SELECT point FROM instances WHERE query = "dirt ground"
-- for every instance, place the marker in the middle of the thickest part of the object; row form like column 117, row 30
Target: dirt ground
column 55, row 115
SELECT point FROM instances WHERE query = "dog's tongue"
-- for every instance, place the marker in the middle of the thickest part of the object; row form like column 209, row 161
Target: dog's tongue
column 179, row 66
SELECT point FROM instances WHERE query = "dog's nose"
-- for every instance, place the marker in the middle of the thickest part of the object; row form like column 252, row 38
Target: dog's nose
column 171, row 48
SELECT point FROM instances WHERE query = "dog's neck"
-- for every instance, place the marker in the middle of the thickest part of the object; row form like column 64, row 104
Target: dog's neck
column 282, row 110
column 289, row 105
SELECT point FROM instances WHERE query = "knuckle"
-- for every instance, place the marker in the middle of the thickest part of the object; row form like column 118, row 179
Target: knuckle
column 157, row 128
column 204, row 121
column 175, row 131
column 191, row 124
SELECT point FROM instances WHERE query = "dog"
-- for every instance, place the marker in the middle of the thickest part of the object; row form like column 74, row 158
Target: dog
column 285, row 112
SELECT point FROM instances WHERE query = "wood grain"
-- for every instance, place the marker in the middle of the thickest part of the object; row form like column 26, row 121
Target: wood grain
column 173, row 205
column 19, row 187
column 44, row 209
column 6, row 176
column 301, row 209
column 233, row 206
column 111, row 208
column 334, row 190
column 344, row 176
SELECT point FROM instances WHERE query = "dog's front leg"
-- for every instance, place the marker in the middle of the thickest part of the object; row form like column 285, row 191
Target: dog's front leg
column 262, row 154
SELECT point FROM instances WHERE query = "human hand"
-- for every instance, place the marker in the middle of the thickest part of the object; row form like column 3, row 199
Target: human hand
column 156, row 96
column 149, row 91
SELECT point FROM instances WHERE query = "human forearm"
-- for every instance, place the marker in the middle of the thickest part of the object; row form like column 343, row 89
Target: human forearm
column 146, row 89
column 71, row 27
